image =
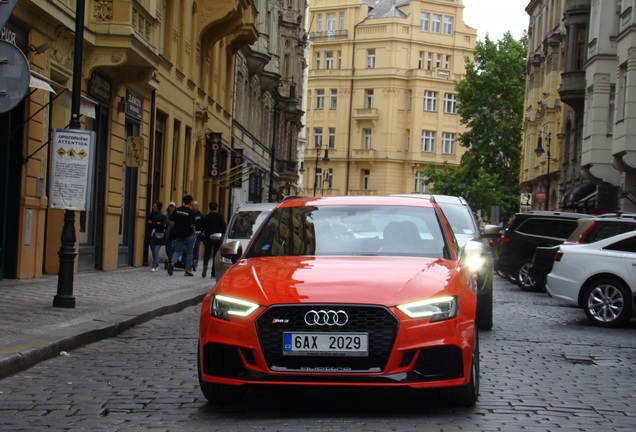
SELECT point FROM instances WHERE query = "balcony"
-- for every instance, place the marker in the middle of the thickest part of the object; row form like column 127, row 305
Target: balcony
column 328, row 35
column 572, row 90
column 365, row 114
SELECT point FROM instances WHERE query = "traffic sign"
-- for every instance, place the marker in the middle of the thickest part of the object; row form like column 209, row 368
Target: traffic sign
column 6, row 7
column 14, row 76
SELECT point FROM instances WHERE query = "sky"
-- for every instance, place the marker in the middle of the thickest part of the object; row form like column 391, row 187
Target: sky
column 495, row 17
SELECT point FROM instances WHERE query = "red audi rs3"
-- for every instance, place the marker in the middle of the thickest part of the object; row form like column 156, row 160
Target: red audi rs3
column 353, row 291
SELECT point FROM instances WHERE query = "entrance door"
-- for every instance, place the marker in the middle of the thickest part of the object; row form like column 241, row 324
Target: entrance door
column 10, row 174
column 129, row 203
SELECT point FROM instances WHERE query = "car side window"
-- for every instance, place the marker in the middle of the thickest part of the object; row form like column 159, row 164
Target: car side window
column 540, row 227
column 566, row 228
column 610, row 230
column 627, row 245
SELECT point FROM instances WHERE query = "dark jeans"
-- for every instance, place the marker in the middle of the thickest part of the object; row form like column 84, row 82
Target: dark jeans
column 210, row 248
column 184, row 247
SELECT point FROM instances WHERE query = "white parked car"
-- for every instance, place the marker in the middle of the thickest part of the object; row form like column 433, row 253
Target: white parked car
column 600, row 277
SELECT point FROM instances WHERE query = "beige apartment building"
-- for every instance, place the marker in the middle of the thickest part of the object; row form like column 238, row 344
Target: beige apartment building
column 381, row 100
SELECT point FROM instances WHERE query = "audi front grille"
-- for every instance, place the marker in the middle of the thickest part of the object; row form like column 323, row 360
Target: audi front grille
column 380, row 324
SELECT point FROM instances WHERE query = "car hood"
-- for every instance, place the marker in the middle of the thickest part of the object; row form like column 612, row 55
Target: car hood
column 369, row 280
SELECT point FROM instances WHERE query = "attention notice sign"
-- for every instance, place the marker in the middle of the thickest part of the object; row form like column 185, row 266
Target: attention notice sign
column 72, row 153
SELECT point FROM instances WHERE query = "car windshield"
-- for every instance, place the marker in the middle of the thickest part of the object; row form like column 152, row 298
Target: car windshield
column 245, row 223
column 351, row 230
column 460, row 219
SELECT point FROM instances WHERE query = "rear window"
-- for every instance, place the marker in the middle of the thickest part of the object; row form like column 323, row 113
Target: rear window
column 606, row 230
column 245, row 223
column 545, row 227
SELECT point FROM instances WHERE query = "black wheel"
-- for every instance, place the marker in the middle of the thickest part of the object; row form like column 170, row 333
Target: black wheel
column 608, row 303
column 484, row 311
column 219, row 393
column 524, row 280
column 467, row 395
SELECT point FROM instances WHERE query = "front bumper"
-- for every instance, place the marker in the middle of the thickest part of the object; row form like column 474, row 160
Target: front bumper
column 402, row 352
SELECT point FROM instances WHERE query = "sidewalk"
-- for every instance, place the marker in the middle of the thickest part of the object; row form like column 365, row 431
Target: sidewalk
column 106, row 304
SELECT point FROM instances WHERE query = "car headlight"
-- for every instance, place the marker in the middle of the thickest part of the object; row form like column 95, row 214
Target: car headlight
column 223, row 307
column 475, row 262
column 438, row 309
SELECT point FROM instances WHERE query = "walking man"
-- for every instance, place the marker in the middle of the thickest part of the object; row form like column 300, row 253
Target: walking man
column 213, row 223
column 183, row 220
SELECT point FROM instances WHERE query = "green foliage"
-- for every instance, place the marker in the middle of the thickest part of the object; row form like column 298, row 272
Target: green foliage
column 490, row 102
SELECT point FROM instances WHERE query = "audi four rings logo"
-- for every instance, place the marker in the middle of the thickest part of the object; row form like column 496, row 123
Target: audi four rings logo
column 328, row 318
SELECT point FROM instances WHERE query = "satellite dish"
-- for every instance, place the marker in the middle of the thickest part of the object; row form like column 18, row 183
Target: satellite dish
column 14, row 76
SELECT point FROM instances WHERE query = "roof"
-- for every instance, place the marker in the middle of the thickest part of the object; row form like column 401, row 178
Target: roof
column 357, row 200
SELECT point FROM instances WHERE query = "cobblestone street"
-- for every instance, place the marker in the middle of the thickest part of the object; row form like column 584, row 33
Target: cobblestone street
column 544, row 368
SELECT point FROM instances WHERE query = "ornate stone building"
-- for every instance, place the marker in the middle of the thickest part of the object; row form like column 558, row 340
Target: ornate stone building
column 381, row 95
column 157, row 82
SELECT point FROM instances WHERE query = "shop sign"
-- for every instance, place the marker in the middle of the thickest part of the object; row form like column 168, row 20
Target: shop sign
column 255, row 188
column 71, row 170
column 237, row 167
column 213, row 155
column 540, row 197
column 100, row 87
column 134, row 104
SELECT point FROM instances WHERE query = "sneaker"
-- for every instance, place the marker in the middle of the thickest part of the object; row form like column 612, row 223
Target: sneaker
column 188, row 273
column 205, row 270
column 170, row 268
column 154, row 269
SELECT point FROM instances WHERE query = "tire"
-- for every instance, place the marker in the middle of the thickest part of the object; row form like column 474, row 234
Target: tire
column 524, row 280
column 467, row 395
column 219, row 393
column 608, row 302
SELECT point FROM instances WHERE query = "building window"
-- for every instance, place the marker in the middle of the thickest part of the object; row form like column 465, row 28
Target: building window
column 318, row 177
column 331, row 24
column 342, row 21
column 331, row 139
column 622, row 91
column 447, row 63
column 333, row 99
column 368, row 99
column 437, row 23
column 428, row 141
column 448, row 143
column 408, row 139
column 319, row 23
column 409, row 100
column 329, row 60
column 580, row 47
column 320, row 99
column 329, row 178
column 450, row 103
column 429, row 61
column 438, row 62
column 430, row 101
column 317, row 60
column 448, row 25
column 420, row 60
column 424, row 21
column 339, row 59
column 421, row 182
column 317, row 138
column 371, row 58
column 366, row 179
column 367, row 135
column 610, row 114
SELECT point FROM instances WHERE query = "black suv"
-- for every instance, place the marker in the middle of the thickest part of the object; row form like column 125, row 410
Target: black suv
column 588, row 231
column 527, row 232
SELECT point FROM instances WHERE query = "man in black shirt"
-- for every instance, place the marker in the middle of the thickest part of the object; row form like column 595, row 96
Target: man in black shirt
column 198, row 230
column 213, row 223
column 183, row 220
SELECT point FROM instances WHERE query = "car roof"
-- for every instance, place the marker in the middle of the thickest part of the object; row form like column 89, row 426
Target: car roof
column 446, row 199
column 357, row 200
column 565, row 215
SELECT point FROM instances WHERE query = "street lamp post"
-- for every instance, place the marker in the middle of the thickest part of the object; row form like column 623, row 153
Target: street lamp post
column 325, row 160
column 291, row 103
column 539, row 152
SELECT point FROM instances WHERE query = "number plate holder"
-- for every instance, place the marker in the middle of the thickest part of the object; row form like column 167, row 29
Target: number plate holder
column 326, row 344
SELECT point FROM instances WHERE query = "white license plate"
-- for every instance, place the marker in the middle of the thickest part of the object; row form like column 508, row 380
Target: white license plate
column 326, row 344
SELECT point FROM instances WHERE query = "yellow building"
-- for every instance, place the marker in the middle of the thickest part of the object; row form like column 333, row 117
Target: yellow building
column 157, row 85
column 381, row 93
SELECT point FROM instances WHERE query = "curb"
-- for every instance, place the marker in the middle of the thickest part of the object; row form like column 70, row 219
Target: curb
column 27, row 354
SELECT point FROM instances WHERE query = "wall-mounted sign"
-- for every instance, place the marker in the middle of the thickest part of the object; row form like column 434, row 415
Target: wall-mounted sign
column 134, row 104
column 71, row 171
column 213, row 144
column 100, row 87
column 237, row 167
column 134, row 151
column 526, row 199
column 540, row 197
column 255, row 192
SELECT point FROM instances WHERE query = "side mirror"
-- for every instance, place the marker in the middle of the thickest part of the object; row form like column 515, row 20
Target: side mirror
column 216, row 236
column 231, row 250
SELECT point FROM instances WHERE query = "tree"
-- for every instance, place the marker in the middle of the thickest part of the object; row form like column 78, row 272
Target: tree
column 490, row 102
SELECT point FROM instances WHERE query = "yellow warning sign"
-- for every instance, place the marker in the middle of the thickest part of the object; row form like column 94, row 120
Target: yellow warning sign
column 61, row 151
column 72, row 152
column 82, row 153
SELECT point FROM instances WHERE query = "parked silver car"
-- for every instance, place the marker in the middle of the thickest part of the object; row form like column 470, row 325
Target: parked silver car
column 242, row 226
